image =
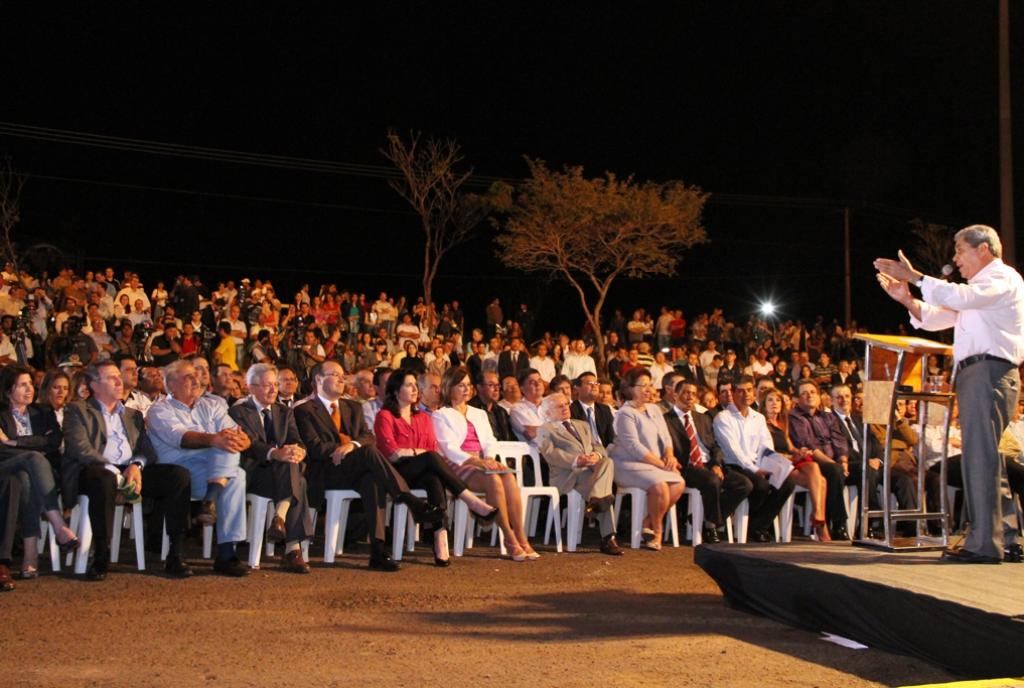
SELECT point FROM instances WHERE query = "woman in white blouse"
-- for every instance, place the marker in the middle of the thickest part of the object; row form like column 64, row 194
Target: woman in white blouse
column 464, row 434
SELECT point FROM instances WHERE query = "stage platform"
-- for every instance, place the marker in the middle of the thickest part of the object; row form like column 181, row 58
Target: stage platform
column 968, row 618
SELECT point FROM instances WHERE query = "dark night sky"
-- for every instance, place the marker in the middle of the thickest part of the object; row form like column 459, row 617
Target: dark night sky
column 888, row 103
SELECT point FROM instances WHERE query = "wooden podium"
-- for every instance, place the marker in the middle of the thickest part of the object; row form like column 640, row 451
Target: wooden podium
column 896, row 367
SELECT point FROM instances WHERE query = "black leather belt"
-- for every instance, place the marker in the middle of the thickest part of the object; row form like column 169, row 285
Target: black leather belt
column 971, row 360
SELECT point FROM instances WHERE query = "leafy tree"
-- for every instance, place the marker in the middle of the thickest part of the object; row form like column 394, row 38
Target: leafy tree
column 590, row 232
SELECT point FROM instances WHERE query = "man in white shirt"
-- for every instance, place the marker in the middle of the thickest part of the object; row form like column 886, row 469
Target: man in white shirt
column 742, row 433
column 543, row 363
column 135, row 293
column 525, row 415
column 578, row 361
column 988, row 345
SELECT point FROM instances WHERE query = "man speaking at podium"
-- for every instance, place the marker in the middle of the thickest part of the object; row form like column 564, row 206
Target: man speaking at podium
column 987, row 315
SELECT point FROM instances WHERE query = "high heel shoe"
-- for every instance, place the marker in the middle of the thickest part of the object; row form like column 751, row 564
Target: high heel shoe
column 438, row 561
column 518, row 554
column 820, row 531
column 488, row 517
column 69, row 546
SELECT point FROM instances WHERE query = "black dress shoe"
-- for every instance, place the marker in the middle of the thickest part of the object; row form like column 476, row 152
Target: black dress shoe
column 230, row 567
column 839, row 533
column 711, row 536
column 176, row 567
column 422, row 511
column 383, row 563
column 963, row 556
column 1013, row 554
column 760, row 536
column 97, row 570
column 380, row 557
column 610, row 546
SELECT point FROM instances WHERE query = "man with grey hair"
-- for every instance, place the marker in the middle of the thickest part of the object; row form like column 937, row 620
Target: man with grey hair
column 194, row 430
column 578, row 463
column 273, row 463
column 987, row 315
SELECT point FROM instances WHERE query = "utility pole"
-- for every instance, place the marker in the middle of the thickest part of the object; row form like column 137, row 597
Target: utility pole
column 1006, row 225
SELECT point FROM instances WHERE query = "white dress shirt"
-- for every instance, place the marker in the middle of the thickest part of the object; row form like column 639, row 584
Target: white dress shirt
column 743, row 439
column 987, row 312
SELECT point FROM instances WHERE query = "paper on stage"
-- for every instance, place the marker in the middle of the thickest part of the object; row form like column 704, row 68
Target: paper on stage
column 776, row 465
column 844, row 642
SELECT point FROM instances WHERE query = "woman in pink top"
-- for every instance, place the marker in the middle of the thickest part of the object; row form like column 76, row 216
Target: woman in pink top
column 406, row 437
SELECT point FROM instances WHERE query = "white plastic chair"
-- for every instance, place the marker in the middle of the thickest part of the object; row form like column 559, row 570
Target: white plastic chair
column 404, row 529
column 261, row 516
column 638, row 509
column 335, row 520
column 695, row 508
column 83, row 531
column 518, row 450
column 573, row 516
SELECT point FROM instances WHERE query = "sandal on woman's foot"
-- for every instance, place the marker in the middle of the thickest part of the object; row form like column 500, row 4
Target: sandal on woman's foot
column 518, row 554
column 531, row 553
column 653, row 544
column 820, row 532
column 28, row 573
column 646, row 534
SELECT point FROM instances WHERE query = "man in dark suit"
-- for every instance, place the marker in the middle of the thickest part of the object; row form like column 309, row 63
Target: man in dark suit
column 692, row 370
column 342, row 455
column 514, row 360
column 845, row 375
column 488, row 392
column 693, row 437
column 586, row 408
column 104, row 441
column 273, row 463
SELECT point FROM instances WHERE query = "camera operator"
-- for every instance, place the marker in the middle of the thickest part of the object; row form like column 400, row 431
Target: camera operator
column 311, row 351
column 73, row 345
column 166, row 347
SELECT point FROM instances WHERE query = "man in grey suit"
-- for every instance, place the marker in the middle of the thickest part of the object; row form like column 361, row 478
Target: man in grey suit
column 105, row 444
column 579, row 463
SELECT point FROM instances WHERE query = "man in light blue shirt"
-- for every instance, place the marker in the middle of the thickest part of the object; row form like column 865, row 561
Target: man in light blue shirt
column 194, row 430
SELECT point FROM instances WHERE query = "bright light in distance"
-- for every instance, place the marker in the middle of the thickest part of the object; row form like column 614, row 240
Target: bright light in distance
column 767, row 309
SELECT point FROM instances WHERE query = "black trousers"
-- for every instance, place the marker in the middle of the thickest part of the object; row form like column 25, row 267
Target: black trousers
column 278, row 481
column 429, row 472
column 10, row 495
column 765, row 501
column 719, row 496
column 168, row 485
column 365, row 470
column 835, row 504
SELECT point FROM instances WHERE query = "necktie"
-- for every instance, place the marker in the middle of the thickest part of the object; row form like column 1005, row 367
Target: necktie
column 691, row 433
column 593, row 425
column 853, row 434
column 268, row 427
column 571, row 429
column 336, row 416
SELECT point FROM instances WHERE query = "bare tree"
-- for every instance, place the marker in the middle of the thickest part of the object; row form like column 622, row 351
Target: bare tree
column 590, row 232
column 11, row 184
column 432, row 185
column 935, row 245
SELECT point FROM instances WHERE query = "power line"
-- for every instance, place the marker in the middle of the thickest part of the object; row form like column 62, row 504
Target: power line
column 373, row 171
column 214, row 194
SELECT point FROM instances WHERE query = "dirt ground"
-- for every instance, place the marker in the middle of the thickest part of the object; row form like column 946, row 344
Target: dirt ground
column 582, row 619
